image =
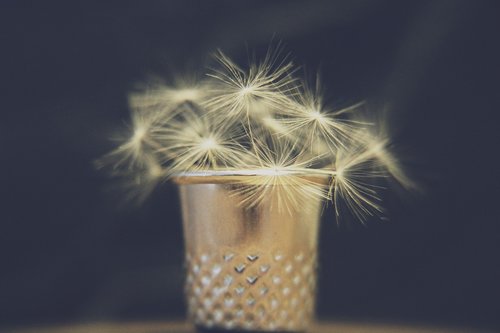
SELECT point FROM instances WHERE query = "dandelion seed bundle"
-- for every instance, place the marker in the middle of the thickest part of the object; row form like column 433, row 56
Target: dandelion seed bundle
column 262, row 121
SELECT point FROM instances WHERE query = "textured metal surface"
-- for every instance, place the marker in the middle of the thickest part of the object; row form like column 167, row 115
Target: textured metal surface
column 248, row 268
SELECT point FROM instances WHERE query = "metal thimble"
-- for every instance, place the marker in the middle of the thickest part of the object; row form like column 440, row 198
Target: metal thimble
column 249, row 268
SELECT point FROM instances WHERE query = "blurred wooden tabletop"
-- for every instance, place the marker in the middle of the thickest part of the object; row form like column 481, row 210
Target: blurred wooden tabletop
column 182, row 327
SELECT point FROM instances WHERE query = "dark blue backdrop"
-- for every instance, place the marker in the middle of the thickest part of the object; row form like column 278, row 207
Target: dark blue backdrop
column 69, row 253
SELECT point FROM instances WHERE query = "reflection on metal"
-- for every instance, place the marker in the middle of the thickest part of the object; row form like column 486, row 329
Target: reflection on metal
column 248, row 268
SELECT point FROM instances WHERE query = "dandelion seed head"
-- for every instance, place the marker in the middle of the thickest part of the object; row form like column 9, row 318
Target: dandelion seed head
column 154, row 170
column 194, row 141
column 160, row 101
column 138, row 135
column 247, row 90
column 389, row 163
column 235, row 89
column 317, row 116
column 316, row 124
column 209, row 143
column 339, row 172
column 278, row 178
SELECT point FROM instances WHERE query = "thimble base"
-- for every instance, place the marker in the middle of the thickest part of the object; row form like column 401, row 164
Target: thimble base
column 201, row 329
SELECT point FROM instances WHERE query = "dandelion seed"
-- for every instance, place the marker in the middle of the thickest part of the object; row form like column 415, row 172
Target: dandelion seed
column 196, row 142
column 318, row 125
column 235, row 90
column 389, row 162
column 279, row 175
column 137, row 184
column 160, row 97
column 355, row 175
column 134, row 151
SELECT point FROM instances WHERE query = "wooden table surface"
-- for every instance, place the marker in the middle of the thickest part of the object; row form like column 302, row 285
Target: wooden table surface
column 182, row 327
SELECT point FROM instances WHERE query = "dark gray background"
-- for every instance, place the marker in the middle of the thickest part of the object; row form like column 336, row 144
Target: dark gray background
column 70, row 253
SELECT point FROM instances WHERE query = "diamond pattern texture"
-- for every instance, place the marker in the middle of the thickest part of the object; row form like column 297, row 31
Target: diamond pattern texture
column 251, row 291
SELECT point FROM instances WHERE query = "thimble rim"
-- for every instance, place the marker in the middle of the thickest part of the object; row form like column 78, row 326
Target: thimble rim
column 235, row 176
